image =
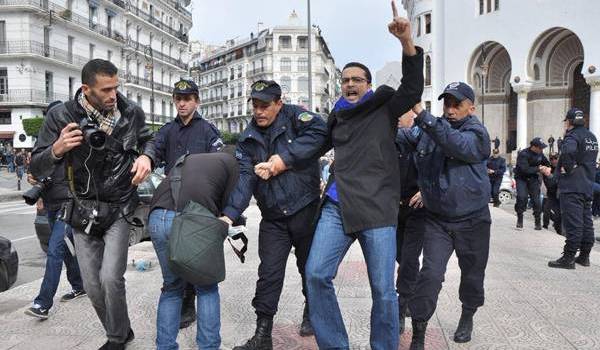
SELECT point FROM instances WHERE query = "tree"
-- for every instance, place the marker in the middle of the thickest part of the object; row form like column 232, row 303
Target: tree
column 32, row 126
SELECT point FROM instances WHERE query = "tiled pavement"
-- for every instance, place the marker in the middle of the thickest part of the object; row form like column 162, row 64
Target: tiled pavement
column 528, row 305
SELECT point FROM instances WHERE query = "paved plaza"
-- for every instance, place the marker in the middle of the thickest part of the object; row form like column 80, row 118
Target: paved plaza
column 528, row 305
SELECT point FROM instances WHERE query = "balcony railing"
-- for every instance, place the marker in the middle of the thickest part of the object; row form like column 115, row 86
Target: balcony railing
column 31, row 96
column 158, row 23
column 147, row 83
column 38, row 48
column 156, row 54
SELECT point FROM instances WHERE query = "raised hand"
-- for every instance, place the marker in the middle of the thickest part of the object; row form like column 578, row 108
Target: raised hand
column 399, row 27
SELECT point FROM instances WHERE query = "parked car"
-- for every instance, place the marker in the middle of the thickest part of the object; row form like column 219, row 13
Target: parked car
column 508, row 188
column 9, row 264
column 138, row 229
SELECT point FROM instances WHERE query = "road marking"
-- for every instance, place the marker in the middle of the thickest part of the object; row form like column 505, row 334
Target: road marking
column 23, row 238
column 23, row 210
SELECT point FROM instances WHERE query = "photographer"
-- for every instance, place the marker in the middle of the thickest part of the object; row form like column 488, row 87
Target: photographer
column 54, row 192
column 108, row 151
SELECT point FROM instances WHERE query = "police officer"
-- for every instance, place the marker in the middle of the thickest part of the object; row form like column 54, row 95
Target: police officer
column 527, row 177
column 550, row 204
column 577, row 164
column 496, row 166
column 409, row 232
column 279, row 165
column 188, row 133
column 451, row 162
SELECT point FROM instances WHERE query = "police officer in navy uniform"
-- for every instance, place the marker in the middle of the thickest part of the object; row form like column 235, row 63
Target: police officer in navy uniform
column 527, row 177
column 551, row 204
column 188, row 133
column 496, row 166
column 577, row 169
column 278, row 154
column 451, row 162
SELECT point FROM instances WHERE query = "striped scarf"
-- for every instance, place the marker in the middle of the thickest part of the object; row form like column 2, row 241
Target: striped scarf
column 106, row 122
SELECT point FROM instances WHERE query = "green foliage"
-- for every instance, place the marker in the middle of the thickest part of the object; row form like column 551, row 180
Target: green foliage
column 32, row 126
column 229, row 138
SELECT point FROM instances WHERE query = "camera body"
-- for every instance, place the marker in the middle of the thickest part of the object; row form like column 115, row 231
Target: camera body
column 32, row 195
column 92, row 135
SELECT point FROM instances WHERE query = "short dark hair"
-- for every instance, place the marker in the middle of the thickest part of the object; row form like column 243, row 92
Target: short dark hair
column 95, row 67
column 361, row 66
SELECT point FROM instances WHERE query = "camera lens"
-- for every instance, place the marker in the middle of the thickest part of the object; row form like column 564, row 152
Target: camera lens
column 96, row 139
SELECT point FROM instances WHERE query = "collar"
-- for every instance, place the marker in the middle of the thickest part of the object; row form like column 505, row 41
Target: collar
column 194, row 117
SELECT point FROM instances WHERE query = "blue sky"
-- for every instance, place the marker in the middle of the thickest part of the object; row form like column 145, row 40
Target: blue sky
column 355, row 30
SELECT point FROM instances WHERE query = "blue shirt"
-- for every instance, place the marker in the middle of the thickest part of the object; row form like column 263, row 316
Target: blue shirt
column 175, row 139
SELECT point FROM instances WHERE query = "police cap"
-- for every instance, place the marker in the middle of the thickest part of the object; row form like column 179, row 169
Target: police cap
column 538, row 142
column 459, row 90
column 265, row 90
column 185, row 87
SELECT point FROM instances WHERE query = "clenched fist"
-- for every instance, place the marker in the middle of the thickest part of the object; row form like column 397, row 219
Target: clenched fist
column 69, row 138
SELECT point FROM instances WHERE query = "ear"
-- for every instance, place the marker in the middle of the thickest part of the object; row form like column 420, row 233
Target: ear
column 85, row 88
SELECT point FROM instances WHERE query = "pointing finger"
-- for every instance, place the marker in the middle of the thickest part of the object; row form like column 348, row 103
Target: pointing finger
column 394, row 9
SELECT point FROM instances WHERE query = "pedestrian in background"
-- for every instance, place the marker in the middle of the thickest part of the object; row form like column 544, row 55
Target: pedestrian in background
column 496, row 167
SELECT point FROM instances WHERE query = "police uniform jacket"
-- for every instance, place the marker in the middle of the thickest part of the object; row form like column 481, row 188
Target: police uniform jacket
column 296, row 136
column 451, row 162
column 498, row 165
column 175, row 139
column 528, row 163
column 577, row 162
column 408, row 173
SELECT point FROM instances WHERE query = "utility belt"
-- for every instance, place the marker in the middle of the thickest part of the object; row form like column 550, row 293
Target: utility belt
column 91, row 217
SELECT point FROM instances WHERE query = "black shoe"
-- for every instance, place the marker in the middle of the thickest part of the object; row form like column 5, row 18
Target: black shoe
column 306, row 329
column 262, row 337
column 566, row 261
column 545, row 226
column 558, row 229
column 111, row 345
column 519, row 220
column 584, row 258
column 496, row 204
column 72, row 295
column 538, row 224
column 188, row 309
column 37, row 311
column 418, row 336
column 465, row 328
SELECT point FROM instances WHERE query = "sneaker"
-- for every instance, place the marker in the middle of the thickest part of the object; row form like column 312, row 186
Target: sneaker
column 37, row 311
column 72, row 295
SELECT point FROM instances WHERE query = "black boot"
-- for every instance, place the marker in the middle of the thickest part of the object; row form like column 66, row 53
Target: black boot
column 465, row 327
column 418, row 336
column 306, row 328
column 188, row 308
column 584, row 257
column 519, row 220
column 538, row 223
column 566, row 261
column 558, row 229
column 262, row 337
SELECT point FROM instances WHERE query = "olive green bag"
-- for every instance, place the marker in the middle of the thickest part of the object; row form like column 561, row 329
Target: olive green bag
column 196, row 241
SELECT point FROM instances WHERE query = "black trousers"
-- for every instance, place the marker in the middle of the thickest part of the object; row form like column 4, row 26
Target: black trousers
column 551, row 211
column 495, row 182
column 275, row 241
column 577, row 222
column 528, row 187
column 470, row 239
column 409, row 244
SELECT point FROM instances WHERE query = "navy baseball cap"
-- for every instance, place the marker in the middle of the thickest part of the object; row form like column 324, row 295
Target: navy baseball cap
column 574, row 113
column 185, row 87
column 537, row 141
column 459, row 90
column 265, row 90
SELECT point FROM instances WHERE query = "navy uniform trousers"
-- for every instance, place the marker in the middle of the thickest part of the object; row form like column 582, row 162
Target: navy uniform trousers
column 275, row 241
column 528, row 187
column 495, row 183
column 470, row 239
column 409, row 244
column 576, row 215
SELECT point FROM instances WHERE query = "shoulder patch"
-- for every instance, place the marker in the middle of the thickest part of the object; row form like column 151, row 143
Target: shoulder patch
column 305, row 117
column 238, row 154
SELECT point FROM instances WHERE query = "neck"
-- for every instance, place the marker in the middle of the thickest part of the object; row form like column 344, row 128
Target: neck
column 186, row 120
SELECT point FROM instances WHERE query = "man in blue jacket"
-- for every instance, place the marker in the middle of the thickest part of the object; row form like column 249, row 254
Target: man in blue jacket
column 278, row 154
column 496, row 166
column 451, row 165
column 577, row 164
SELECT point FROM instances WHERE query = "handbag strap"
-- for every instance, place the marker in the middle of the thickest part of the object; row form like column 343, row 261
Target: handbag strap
column 175, row 180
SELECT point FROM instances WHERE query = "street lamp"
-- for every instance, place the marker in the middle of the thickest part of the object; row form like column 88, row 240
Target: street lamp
column 484, row 71
column 150, row 59
column 310, row 96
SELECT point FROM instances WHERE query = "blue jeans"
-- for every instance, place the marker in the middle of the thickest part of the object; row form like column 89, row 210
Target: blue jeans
column 57, row 253
column 329, row 246
column 208, row 315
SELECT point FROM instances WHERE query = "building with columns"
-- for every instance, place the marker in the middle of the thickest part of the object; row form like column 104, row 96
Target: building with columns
column 45, row 43
column 279, row 53
column 528, row 61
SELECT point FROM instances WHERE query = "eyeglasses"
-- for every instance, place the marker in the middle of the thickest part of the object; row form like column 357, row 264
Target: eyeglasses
column 355, row 80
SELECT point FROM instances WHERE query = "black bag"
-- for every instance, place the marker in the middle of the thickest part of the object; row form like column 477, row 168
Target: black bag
column 90, row 216
column 196, row 241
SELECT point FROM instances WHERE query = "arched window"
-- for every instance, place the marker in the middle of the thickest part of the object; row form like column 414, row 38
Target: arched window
column 427, row 71
column 536, row 72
